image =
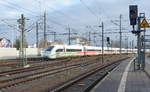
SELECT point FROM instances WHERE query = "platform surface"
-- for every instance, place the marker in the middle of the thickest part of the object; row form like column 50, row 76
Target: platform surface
column 125, row 79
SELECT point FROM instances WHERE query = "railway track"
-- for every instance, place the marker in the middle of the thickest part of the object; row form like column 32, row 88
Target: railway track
column 26, row 78
column 41, row 66
column 16, row 60
column 22, row 76
column 13, row 64
column 22, row 70
column 86, row 81
column 31, row 61
column 35, row 59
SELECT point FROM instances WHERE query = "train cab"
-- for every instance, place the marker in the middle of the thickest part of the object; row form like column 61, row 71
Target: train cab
column 47, row 52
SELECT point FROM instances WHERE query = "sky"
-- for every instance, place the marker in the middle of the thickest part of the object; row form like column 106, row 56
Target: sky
column 82, row 16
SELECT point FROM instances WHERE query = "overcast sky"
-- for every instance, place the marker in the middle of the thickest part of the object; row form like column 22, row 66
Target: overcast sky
column 81, row 15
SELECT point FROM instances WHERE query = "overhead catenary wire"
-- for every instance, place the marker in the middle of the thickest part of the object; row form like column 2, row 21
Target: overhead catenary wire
column 62, row 25
column 88, row 8
column 11, row 26
column 61, row 13
column 17, row 7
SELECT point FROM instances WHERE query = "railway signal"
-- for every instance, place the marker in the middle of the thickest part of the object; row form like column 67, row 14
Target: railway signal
column 133, row 14
column 136, row 20
column 108, row 40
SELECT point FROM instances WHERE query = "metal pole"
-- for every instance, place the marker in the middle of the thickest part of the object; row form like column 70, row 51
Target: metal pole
column 22, row 52
column 132, row 45
column 45, row 38
column 89, row 38
column 102, row 42
column 142, row 15
column 143, row 50
column 111, row 45
column 139, row 43
column 120, row 34
column 69, row 35
column 94, row 35
column 21, row 42
column 22, row 39
column 54, row 36
column 127, row 45
column 37, row 35
column 134, row 65
column 143, row 65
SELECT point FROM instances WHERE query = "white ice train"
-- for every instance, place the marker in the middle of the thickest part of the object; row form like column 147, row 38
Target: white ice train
column 60, row 51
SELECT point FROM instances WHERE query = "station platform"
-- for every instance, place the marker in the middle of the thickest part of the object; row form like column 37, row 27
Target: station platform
column 125, row 79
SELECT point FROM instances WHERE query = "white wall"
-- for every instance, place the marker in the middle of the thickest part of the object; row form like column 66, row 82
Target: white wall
column 12, row 53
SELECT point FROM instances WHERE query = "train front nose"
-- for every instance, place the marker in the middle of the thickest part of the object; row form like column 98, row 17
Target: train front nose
column 47, row 53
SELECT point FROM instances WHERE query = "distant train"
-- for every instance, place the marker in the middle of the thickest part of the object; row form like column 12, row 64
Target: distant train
column 60, row 51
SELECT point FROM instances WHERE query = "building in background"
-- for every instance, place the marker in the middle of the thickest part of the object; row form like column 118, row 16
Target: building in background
column 80, row 40
column 5, row 43
column 57, row 42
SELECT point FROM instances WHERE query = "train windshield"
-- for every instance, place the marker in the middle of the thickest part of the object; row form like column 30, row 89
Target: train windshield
column 49, row 48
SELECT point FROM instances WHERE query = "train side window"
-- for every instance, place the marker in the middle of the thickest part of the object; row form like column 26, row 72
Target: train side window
column 93, row 50
column 74, row 50
column 59, row 50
